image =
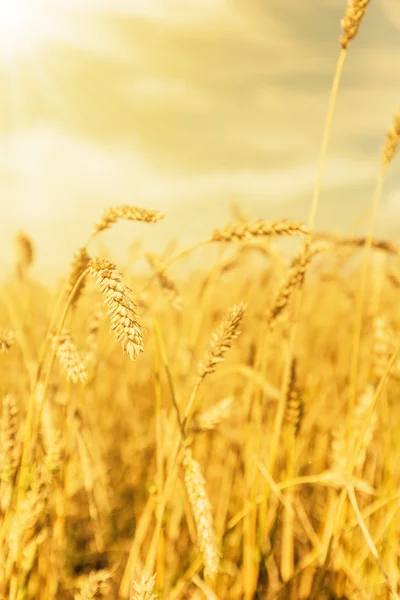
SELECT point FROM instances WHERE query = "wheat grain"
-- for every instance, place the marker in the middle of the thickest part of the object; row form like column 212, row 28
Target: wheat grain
column 221, row 340
column 79, row 265
column 121, row 309
column 143, row 588
column 248, row 231
column 293, row 280
column 202, row 513
column 351, row 20
column 213, row 417
column 392, row 140
column 70, row 359
column 9, row 450
column 129, row 213
column 294, row 402
column 96, row 582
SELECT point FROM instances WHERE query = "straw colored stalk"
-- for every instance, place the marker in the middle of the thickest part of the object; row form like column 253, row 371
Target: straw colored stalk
column 143, row 588
column 248, row 231
column 351, row 21
column 127, row 213
column 70, row 359
column 222, row 339
column 202, row 514
column 121, row 309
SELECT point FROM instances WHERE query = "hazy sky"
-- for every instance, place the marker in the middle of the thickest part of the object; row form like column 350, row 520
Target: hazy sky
column 185, row 105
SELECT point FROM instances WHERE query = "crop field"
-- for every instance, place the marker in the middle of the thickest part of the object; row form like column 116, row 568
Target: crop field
column 223, row 424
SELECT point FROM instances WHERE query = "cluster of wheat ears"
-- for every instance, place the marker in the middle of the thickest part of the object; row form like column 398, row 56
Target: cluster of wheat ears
column 227, row 433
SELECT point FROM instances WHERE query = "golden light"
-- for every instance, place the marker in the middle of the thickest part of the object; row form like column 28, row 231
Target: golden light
column 18, row 27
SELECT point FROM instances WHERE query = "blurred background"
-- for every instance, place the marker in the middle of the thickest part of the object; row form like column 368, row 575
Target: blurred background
column 187, row 106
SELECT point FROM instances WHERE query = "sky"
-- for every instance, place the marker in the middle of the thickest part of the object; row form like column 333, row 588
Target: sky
column 186, row 106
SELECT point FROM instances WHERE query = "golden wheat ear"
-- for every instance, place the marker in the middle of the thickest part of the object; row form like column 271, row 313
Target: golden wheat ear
column 121, row 309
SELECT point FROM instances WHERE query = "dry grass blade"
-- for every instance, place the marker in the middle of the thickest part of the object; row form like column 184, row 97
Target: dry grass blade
column 127, row 213
column 202, row 513
column 248, row 231
column 121, row 309
column 222, row 340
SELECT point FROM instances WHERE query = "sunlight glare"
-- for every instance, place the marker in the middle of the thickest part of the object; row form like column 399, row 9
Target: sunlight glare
column 18, row 27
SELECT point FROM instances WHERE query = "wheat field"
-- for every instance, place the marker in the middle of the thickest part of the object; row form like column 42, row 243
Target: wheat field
column 223, row 430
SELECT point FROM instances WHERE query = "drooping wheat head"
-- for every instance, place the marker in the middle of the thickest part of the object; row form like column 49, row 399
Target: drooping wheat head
column 129, row 213
column 121, row 309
